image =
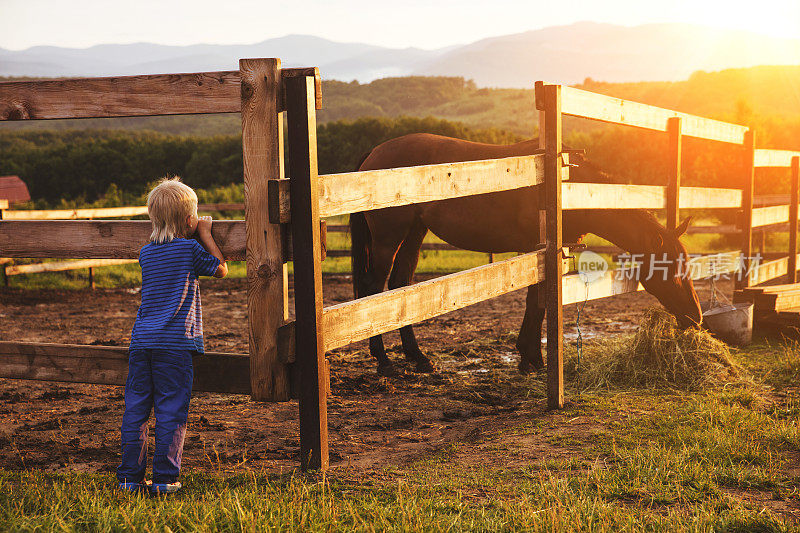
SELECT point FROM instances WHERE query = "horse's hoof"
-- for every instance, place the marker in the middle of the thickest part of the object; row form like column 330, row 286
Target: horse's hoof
column 424, row 366
column 526, row 367
column 387, row 370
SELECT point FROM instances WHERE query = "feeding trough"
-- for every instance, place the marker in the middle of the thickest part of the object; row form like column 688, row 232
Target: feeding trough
column 731, row 323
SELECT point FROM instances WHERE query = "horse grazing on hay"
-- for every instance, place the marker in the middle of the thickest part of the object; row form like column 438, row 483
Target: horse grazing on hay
column 386, row 242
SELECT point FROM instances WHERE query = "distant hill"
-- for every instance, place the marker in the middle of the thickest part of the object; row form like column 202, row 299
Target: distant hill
column 336, row 60
column 568, row 54
column 560, row 54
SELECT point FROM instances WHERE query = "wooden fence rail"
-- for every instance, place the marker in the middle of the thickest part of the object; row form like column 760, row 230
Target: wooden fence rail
column 108, row 365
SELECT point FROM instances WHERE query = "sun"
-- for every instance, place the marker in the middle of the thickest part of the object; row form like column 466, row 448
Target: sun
column 776, row 18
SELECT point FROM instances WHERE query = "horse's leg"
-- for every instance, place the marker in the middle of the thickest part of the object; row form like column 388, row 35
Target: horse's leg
column 529, row 341
column 374, row 245
column 405, row 263
column 380, row 266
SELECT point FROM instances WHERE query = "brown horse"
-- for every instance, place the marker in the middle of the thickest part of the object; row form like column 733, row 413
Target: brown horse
column 386, row 242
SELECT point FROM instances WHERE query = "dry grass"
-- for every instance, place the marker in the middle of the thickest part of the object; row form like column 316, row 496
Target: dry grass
column 659, row 355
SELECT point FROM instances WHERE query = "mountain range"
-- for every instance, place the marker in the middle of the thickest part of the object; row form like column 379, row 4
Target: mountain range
column 560, row 54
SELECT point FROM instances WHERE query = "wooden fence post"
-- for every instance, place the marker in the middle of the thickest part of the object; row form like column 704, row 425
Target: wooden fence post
column 91, row 278
column 674, row 172
column 304, row 201
column 748, row 176
column 262, row 150
column 553, row 258
column 794, row 198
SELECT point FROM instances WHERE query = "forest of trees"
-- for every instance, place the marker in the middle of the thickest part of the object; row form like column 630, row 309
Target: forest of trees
column 80, row 166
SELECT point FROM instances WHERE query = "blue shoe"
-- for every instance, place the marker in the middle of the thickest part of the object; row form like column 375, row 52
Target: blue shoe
column 132, row 487
column 164, row 488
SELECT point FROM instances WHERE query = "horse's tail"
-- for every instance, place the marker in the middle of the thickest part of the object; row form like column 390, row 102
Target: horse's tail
column 360, row 247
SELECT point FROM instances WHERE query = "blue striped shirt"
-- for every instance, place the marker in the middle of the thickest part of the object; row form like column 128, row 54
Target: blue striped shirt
column 170, row 315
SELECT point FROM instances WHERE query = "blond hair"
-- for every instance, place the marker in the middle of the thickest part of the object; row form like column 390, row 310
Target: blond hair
column 169, row 204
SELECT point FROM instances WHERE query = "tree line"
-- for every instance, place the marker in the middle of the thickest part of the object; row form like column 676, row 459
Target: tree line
column 77, row 166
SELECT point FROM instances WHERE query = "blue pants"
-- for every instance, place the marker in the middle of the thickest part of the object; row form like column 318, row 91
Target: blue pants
column 161, row 381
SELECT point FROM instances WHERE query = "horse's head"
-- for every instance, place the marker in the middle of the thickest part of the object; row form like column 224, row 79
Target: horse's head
column 665, row 275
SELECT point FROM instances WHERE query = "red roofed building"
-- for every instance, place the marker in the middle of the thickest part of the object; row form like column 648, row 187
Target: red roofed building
column 13, row 189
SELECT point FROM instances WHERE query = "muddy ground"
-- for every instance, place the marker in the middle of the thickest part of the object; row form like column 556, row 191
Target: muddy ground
column 374, row 422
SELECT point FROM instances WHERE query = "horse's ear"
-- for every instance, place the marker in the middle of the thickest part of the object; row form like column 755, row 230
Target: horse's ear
column 681, row 229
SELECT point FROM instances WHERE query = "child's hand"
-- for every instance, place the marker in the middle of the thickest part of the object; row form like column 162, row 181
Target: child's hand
column 204, row 225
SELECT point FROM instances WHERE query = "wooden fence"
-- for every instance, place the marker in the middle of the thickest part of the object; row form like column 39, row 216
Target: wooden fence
column 75, row 214
column 288, row 358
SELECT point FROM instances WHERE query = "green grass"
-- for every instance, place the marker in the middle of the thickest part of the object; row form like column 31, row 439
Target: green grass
column 653, row 459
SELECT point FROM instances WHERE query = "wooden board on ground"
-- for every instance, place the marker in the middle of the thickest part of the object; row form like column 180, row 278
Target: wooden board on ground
column 108, row 365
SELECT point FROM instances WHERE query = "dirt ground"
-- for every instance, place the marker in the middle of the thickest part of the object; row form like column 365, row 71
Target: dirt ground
column 374, row 422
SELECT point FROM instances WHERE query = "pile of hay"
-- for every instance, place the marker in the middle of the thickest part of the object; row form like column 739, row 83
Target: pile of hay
column 660, row 354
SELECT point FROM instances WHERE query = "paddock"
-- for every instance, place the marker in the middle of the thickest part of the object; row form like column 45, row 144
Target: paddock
column 284, row 221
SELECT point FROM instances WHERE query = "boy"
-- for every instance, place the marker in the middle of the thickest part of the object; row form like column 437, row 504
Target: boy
column 168, row 331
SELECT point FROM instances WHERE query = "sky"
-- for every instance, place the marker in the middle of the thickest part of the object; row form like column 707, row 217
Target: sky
column 420, row 23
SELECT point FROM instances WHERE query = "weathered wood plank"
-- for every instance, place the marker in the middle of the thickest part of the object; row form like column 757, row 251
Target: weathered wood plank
column 606, row 195
column 766, row 216
column 3, row 205
column 616, row 282
column 375, row 189
column 769, row 270
column 128, row 96
column 711, row 265
column 267, row 279
column 774, row 158
column 379, row 191
column 709, row 198
column 554, row 265
column 612, row 283
column 380, row 313
column 59, row 266
column 594, row 106
column 102, row 212
column 71, row 214
column 309, row 343
column 108, row 365
column 159, row 94
column 100, row 239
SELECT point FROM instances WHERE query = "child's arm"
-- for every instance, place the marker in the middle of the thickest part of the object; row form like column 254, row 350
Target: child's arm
column 206, row 239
